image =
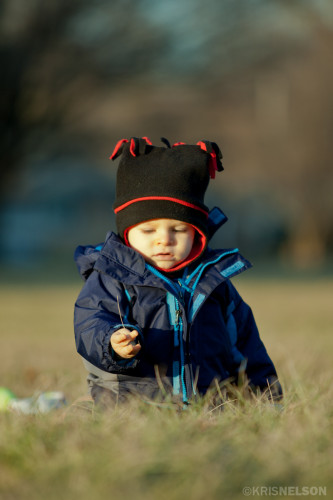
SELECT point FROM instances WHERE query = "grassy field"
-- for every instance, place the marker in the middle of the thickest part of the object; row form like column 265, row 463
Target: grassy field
column 142, row 452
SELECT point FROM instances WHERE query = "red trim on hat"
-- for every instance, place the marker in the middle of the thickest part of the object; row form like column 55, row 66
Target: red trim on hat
column 132, row 147
column 199, row 245
column 166, row 198
column 212, row 162
column 118, row 145
column 178, row 144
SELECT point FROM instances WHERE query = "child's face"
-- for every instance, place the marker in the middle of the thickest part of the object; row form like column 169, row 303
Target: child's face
column 162, row 242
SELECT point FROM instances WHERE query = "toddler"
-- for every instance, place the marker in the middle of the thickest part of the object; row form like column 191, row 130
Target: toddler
column 158, row 312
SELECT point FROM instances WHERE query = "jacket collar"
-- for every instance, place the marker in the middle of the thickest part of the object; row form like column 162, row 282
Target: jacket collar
column 126, row 265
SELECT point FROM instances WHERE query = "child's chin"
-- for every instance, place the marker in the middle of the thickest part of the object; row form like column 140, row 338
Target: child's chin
column 165, row 264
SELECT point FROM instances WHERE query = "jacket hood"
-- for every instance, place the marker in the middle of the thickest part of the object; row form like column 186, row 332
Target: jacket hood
column 85, row 257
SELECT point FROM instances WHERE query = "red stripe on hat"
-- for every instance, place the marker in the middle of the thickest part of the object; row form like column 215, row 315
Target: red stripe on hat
column 118, row 145
column 212, row 162
column 132, row 147
column 165, row 198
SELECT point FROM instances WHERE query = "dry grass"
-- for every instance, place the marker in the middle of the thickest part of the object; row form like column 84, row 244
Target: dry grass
column 142, row 452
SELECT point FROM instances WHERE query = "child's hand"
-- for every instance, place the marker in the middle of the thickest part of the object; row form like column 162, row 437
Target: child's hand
column 123, row 343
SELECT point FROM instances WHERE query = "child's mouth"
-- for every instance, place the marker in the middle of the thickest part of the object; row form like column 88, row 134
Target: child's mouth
column 163, row 256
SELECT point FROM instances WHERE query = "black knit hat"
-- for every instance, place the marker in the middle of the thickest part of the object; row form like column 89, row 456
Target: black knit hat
column 163, row 182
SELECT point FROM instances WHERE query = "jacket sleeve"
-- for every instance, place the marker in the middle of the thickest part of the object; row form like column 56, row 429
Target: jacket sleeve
column 249, row 346
column 101, row 309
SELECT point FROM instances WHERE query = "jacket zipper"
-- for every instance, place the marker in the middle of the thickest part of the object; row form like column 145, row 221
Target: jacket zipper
column 180, row 328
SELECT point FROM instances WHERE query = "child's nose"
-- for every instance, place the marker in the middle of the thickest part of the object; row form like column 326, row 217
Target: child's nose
column 164, row 237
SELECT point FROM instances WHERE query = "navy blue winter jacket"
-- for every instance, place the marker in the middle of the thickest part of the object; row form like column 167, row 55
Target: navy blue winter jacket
column 196, row 324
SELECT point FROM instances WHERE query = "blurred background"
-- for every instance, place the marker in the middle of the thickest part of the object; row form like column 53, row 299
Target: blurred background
column 255, row 76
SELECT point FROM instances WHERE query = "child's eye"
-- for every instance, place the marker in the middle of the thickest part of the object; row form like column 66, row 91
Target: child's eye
column 147, row 231
column 180, row 229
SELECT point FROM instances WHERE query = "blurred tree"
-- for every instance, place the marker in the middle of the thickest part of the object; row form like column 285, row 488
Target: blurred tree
column 55, row 54
column 215, row 38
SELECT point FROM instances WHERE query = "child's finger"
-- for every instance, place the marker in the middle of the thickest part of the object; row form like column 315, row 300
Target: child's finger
column 124, row 337
column 130, row 342
column 132, row 349
column 128, row 351
column 119, row 336
column 133, row 334
column 124, row 334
